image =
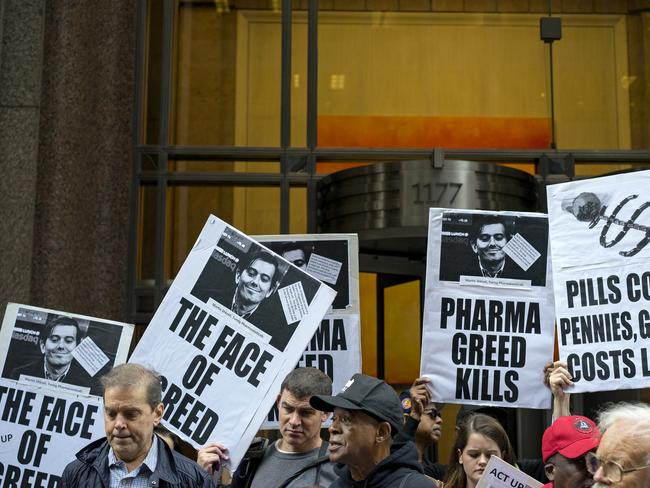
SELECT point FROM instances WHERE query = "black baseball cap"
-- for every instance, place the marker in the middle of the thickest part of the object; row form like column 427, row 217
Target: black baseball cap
column 370, row 395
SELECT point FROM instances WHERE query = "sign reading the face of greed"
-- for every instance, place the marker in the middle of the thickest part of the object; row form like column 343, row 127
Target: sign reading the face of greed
column 234, row 323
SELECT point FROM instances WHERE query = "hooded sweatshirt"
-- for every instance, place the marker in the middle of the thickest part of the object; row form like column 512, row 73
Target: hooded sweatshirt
column 390, row 472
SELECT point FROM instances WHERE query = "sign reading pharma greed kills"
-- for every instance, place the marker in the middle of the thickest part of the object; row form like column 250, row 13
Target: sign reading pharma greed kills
column 600, row 235
column 236, row 319
column 488, row 308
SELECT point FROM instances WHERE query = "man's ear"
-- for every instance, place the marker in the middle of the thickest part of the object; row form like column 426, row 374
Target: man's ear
column 474, row 248
column 549, row 469
column 383, row 432
column 277, row 400
column 158, row 413
column 41, row 344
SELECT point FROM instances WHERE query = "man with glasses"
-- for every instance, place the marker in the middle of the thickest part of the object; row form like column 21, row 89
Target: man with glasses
column 623, row 456
column 422, row 424
column 564, row 447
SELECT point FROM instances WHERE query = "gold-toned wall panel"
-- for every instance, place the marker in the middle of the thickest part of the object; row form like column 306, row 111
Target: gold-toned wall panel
column 402, row 332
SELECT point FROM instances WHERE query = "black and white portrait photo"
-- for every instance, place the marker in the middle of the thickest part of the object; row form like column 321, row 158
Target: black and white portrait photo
column 247, row 279
column 325, row 259
column 43, row 346
column 493, row 245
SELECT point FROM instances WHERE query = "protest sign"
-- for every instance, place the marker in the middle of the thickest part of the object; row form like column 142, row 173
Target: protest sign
column 233, row 324
column 600, row 232
column 488, row 308
column 60, row 351
column 499, row 474
column 41, row 432
column 335, row 348
column 50, row 396
column 331, row 258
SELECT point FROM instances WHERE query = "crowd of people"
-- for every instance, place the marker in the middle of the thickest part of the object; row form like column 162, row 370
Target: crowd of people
column 375, row 440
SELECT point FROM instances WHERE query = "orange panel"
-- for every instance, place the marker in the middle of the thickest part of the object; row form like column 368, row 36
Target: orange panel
column 377, row 131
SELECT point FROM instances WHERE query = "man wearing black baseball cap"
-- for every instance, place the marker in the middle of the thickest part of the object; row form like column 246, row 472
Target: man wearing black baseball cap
column 367, row 415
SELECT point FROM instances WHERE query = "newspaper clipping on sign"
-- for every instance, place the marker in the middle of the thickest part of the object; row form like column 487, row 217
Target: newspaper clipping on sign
column 233, row 324
column 335, row 348
column 499, row 474
column 50, row 396
column 600, row 231
column 488, row 308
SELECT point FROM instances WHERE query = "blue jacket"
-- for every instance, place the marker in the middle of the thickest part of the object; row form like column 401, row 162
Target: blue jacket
column 174, row 470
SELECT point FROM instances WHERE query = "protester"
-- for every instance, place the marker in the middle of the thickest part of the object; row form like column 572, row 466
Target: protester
column 623, row 456
column 558, row 378
column 299, row 456
column 423, row 424
column 367, row 415
column 131, row 452
column 479, row 437
column 564, row 447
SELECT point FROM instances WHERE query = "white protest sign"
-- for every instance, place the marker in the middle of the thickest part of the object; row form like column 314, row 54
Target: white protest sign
column 499, row 474
column 45, row 421
column 223, row 327
column 40, row 433
column 60, row 351
column 485, row 315
column 600, row 231
column 331, row 258
column 335, row 348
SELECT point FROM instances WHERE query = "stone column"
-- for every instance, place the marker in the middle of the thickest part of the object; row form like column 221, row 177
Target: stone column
column 66, row 110
column 21, row 53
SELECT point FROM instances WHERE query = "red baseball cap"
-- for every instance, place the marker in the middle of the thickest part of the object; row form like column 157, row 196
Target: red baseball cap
column 572, row 436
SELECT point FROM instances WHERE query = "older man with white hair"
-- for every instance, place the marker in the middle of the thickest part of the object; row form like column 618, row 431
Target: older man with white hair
column 623, row 456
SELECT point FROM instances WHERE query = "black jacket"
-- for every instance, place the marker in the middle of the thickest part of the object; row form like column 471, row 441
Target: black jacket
column 390, row 472
column 90, row 469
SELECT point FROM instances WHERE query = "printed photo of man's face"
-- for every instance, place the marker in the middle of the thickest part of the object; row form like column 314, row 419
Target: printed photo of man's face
column 254, row 283
column 489, row 244
column 59, row 344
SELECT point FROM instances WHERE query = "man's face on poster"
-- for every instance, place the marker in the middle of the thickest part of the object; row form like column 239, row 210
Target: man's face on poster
column 59, row 345
column 297, row 257
column 490, row 242
column 254, row 284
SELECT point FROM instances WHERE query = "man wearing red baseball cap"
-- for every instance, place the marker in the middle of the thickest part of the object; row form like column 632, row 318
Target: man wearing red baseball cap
column 564, row 446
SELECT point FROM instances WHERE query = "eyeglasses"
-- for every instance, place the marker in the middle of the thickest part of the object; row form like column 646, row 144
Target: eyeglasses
column 611, row 470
